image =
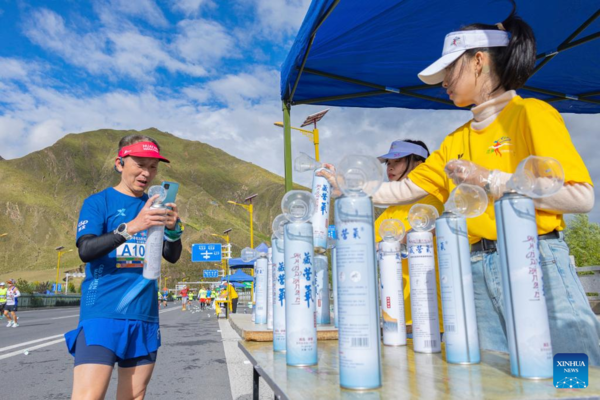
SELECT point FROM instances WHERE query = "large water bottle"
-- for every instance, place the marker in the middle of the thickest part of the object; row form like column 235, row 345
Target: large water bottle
column 260, row 292
column 423, row 289
column 358, row 177
column 277, row 241
column 154, row 242
column 526, row 315
column 300, row 311
column 390, row 271
column 456, row 278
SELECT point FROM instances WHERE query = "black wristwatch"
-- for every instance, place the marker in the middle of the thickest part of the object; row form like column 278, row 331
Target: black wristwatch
column 122, row 230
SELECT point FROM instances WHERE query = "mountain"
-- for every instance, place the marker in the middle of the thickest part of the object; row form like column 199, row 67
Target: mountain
column 41, row 195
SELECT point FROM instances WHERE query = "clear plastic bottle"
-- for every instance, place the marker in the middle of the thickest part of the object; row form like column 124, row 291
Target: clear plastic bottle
column 358, row 177
column 154, row 241
column 423, row 288
column 300, row 309
column 390, row 271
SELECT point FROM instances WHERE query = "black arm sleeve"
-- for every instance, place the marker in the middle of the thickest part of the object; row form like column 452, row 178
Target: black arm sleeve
column 172, row 251
column 92, row 247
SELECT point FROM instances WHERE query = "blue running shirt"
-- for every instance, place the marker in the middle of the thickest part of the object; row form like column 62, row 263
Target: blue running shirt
column 114, row 286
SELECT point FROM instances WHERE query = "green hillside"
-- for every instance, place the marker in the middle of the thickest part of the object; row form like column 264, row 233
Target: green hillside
column 41, row 195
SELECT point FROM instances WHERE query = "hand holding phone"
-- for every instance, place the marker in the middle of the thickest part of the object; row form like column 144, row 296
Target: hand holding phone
column 171, row 188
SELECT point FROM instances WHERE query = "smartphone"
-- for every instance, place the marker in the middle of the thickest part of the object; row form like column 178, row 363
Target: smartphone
column 171, row 188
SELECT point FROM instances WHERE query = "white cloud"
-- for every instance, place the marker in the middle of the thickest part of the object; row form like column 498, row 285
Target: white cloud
column 13, row 69
column 191, row 7
column 146, row 10
column 204, row 41
column 258, row 83
column 106, row 51
column 280, row 17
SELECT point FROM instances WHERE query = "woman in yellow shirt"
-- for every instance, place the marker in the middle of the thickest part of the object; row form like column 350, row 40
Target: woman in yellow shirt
column 483, row 65
column 403, row 157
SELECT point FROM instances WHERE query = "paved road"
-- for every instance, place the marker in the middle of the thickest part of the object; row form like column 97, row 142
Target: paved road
column 192, row 361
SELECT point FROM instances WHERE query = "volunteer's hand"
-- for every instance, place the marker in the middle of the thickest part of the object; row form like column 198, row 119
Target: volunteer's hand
column 329, row 173
column 147, row 217
column 463, row 171
column 172, row 216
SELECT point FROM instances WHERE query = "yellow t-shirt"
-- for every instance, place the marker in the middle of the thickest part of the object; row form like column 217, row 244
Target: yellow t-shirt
column 232, row 292
column 401, row 214
column 524, row 127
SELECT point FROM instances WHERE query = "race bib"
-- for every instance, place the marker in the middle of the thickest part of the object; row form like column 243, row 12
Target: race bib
column 131, row 253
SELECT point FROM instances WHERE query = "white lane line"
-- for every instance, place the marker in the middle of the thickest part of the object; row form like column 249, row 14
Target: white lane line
column 67, row 316
column 14, row 346
column 172, row 309
column 39, row 346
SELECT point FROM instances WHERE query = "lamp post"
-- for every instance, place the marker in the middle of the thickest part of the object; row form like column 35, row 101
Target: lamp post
column 225, row 236
column 60, row 252
column 312, row 135
column 250, row 210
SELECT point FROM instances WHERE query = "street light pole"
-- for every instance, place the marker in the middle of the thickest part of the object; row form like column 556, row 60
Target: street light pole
column 287, row 139
column 250, row 209
column 59, row 248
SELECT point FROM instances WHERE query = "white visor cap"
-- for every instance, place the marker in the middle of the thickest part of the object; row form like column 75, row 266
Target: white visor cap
column 455, row 44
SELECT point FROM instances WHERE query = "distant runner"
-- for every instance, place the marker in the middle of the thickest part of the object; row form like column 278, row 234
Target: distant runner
column 184, row 297
column 10, row 310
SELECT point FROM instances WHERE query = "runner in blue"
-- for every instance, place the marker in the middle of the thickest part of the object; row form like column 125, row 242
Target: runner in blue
column 119, row 313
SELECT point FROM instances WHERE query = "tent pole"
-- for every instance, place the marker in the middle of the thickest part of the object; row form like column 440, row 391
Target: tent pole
column 287, row 145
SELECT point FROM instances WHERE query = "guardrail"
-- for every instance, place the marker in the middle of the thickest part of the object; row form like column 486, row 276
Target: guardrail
column 27, row 300
column 590, row 280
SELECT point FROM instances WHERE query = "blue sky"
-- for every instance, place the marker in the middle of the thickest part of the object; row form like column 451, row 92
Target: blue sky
column 204, row 70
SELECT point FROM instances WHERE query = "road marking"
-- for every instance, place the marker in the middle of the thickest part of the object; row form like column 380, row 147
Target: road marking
column 16, row 353
column 172, row 309
column 14, row 346
column 67, row 316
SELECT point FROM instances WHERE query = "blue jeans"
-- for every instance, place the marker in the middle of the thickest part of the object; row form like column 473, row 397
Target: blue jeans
column 574, row 327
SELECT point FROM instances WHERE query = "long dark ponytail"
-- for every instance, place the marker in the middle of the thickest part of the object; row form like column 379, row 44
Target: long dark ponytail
column 512, row 65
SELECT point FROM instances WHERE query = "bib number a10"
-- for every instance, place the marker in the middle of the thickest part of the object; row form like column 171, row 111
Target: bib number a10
column 131, row 254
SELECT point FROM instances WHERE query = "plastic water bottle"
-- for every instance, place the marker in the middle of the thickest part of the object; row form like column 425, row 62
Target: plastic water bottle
column 357, row 288
column 390, row 271
column 526, row 315
column 278, row 245
column 456, row 277
column 421, row 269
column 300, row 325
column 154, row 241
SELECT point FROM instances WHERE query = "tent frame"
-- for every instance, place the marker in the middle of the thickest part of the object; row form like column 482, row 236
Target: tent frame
column 379, row 90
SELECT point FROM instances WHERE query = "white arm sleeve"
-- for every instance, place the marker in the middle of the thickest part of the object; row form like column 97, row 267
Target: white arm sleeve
column 397, row 193
column 574, row 198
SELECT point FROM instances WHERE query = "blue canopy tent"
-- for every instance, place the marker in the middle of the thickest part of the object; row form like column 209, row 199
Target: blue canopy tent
column 235, row 263
column 238, row 276
column 354, row 53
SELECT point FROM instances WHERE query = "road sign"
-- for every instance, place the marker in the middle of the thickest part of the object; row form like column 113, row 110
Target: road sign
column 206, row 252
column 210, row 273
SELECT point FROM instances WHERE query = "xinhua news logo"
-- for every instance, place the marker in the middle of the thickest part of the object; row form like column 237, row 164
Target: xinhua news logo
column 570, row 371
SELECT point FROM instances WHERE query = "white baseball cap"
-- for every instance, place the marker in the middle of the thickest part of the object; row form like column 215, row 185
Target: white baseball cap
column 455, row 44
column 2, row 284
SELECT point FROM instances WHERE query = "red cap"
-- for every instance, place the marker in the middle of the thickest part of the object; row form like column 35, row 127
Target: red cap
column 142, row 149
